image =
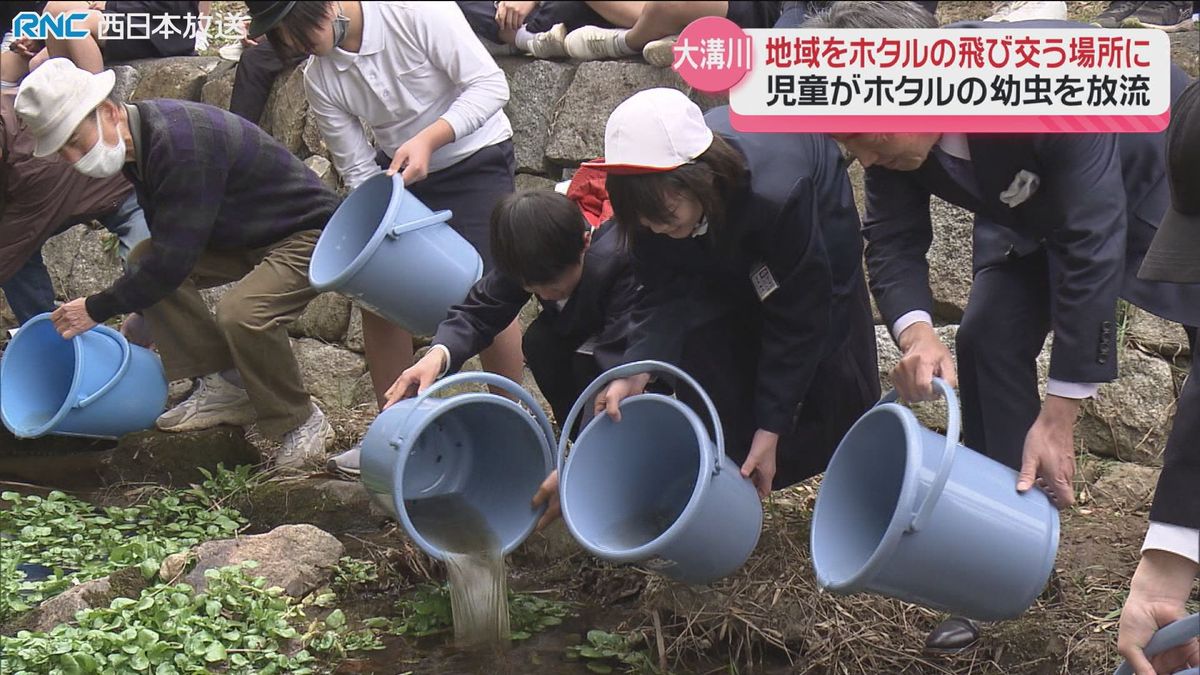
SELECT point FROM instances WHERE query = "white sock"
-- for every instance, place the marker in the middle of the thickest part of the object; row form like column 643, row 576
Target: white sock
column 621, row 44
column 523, row 38
column 5, row 84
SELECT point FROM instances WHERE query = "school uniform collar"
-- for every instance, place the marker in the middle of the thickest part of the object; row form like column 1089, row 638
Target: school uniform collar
column 372, row 39
column 955, row 145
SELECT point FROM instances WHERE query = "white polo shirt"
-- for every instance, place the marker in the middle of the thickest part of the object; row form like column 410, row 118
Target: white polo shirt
column 418, row 61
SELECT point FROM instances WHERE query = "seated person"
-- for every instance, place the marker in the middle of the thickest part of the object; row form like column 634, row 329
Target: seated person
column 581, row 277
column 42, row 197
column 537, row 28
column 224, row 202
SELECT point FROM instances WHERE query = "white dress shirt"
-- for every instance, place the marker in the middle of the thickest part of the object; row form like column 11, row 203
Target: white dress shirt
column 1182, row 541
column 418, row 61
column 955, row 145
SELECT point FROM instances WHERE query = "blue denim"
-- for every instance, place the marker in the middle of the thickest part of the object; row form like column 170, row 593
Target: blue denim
column 30, row 292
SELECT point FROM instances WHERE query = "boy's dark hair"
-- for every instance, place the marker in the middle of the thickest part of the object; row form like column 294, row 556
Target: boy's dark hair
column 712, row 179
column 537, row 235
column 295, row 30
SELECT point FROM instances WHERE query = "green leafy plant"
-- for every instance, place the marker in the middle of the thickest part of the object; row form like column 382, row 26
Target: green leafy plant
column 529, row 614
column 603, row 652
column 353, row 572
column 237, row 624
column 73, row 541
column 427, row 611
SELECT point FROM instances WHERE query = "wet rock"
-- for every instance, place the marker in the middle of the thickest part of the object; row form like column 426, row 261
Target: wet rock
column 62, row 608
column 126, row 81
column 176, row 458
column 297, row 558
column 354, row 335
column 218, row 86
column 81, row 261
column 330, row 373
column 324, row 170
column 333, row 505
column 577, row 129
column 326, row 318
column 1155, row 334
column 61, row 461
column 286, row 110
column 1126, row 487
column 1129, row 419
column 178, row 77
column 535, row 88
column 950, row 259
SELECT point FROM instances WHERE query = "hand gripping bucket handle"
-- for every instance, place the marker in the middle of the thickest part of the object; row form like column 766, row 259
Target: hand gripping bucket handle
column 126, row 356
column 637, row 368
column 953, row 426
column 489, row 379
column 1169, row 636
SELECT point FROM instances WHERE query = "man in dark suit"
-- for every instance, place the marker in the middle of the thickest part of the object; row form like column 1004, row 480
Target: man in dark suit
column 1062, row 222
column 1160, row 588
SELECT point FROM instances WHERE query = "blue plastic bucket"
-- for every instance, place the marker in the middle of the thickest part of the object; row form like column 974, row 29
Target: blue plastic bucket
column 477, row 451
column 96, row 384
column 1169, row 636
column 655, row 488
column 908, row 513
column 388, row 251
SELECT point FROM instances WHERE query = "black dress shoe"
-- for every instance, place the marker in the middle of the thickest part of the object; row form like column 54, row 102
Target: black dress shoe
column 952, row 636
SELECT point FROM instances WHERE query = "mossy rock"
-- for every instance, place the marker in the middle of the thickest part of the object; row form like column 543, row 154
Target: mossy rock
column 333, row 505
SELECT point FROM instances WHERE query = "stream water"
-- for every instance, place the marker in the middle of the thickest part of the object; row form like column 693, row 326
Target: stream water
column 474, row 566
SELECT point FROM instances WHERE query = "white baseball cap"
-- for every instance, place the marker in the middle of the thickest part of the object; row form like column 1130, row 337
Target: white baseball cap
column 653, row 130
column 55, row 98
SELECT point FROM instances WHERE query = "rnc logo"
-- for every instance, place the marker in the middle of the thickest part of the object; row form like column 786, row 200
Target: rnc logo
column 67, row 25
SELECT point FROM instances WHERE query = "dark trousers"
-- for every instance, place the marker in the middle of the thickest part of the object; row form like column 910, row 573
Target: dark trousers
column 256, row 72
column 1006, row 322
column 561, row 372
column 1176, row 500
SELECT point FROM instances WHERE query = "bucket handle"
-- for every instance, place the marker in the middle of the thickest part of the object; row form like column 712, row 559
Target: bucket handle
column 637, row 368
column 1169, row 636
column 953, row 426
column 126, row 356
column 439, row 217
column 489, row 379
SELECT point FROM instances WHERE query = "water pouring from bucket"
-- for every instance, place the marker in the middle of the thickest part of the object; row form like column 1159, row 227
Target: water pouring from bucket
column 908, row 513
column 95, row 385
column 395, row 256
column 656, row 488
column 457, row 472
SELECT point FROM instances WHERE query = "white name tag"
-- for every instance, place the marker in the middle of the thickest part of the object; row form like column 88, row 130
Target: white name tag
column 764, row 281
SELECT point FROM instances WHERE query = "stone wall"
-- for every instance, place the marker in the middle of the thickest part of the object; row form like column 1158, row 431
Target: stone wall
column 558, row 111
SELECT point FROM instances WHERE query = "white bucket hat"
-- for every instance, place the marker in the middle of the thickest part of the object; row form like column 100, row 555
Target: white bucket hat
column 55, row 98
column 653, row 130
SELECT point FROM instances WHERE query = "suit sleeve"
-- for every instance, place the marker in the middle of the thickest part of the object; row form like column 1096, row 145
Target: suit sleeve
column 796, row 316
column 1087, row 252
column 666, row 306
column 611, row 341
column 491, row 305
column 898, row 233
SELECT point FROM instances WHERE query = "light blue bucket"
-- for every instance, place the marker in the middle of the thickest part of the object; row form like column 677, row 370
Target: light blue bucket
column 655, row 488
column 96, row 384
column 480, row 449
column 1168, row 637
column 908, row 513
column 388, row 251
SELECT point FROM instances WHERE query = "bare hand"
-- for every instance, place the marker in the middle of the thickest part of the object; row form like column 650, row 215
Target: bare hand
column 924, row 358
column 1049, row 456
column 511, row 14
column 547, row 493
column 609, row 400
column 417, row 378
column 759, row 466
column 72, row 319
column 413, row 159
column 1157, row 595
column 25, row 47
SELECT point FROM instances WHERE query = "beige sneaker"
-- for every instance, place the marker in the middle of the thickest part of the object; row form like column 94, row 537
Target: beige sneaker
column 660, row 52
column 592, row 43
column 305, row 446
column 551, row 44
column 213, row 402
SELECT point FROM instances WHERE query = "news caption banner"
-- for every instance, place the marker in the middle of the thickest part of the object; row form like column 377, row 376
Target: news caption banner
column 1005, row 79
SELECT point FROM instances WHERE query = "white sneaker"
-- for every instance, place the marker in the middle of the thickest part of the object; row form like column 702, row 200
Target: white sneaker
column 214, row 401
column 305, row 446
column 660, row 52
column 231, row 52
column 349, row 462
column 551, row 44
column 591, row 43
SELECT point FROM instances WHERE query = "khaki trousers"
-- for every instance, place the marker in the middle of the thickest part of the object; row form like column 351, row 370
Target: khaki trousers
column 249, row 331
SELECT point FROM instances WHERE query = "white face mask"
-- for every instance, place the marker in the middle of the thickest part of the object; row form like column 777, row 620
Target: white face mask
column 103, row 160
